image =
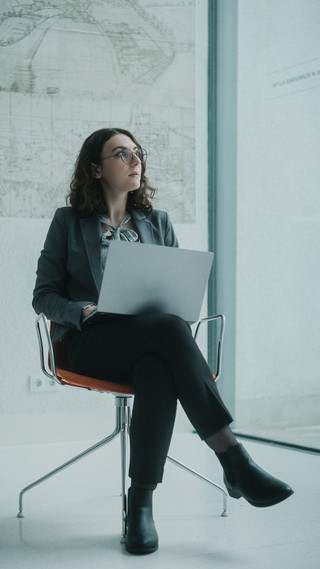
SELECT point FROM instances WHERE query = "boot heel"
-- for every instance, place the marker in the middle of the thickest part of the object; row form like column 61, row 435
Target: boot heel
column 231, row 491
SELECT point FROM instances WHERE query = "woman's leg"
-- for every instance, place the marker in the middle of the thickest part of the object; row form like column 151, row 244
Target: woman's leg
column 151, row 429
column 111, row 349
column 153, row 416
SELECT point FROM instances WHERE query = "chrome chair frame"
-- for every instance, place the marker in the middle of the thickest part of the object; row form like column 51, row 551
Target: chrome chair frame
column 123, row 403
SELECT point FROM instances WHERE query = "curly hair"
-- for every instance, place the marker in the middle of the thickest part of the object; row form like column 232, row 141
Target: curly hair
column 85, row 190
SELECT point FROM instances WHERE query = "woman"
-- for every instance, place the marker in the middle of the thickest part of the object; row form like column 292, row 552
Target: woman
column 110, row 198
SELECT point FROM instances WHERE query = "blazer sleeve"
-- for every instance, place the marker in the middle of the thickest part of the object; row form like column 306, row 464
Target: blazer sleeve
column 49, row 295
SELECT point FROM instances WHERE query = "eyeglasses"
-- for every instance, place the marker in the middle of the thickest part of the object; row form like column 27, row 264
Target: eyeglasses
column 126, row 155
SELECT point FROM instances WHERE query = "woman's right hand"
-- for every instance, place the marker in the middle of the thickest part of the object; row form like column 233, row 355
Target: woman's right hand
column 89, row 309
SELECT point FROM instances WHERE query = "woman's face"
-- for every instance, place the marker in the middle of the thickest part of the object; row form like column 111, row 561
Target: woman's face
column 114, row 174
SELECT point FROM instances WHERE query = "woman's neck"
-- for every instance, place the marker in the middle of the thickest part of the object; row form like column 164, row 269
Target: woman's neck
column 116, row 211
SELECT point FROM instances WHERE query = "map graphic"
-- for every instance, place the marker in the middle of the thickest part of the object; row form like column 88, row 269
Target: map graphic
column 69, row 67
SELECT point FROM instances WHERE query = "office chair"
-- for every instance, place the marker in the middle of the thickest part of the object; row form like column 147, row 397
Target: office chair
column 54, row 364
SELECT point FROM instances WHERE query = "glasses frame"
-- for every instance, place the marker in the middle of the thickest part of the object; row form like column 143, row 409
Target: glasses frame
column 142, row 150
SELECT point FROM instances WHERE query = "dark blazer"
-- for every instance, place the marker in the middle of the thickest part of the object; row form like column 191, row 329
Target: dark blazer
column 69, row 271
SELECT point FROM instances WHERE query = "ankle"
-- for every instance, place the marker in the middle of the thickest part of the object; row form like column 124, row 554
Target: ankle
column 222, row 440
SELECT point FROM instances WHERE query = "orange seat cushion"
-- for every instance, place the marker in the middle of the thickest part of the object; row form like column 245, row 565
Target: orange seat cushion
column 76, row 380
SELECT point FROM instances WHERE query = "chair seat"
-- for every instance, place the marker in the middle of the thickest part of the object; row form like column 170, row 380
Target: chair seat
column 76, row 380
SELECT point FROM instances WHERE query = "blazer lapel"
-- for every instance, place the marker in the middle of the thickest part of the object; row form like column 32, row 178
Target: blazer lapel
column 91, row 235
column 143, row 226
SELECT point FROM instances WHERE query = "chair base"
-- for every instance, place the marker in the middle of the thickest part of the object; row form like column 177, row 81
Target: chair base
column 123, row 418
column 224, row 513
column 122, row 428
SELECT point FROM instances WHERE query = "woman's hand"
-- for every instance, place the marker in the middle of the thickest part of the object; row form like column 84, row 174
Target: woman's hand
column 89, row 309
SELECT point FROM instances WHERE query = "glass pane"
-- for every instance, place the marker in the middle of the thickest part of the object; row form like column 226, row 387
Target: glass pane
column 278, row 221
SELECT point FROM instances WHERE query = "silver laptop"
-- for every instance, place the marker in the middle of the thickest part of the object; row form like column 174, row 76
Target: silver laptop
column 140, row 278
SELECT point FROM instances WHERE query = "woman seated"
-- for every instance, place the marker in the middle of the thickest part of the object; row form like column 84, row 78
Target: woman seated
column 110, row 198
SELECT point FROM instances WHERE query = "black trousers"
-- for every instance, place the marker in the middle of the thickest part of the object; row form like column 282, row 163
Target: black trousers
column 158, row 355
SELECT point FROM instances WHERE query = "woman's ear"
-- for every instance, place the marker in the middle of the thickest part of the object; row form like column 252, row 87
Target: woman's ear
column 96, row 171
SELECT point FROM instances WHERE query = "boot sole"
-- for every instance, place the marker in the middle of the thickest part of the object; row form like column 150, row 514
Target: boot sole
column 142, row 551
column 273, row 503
column 236, row 494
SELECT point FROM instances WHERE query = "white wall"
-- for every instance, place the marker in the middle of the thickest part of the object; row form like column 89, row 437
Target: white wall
column 278, row 213
column 142, row 67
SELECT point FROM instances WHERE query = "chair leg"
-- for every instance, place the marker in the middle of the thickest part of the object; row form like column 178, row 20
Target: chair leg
column 125, row 428
column 106, row 440
column 203, row 479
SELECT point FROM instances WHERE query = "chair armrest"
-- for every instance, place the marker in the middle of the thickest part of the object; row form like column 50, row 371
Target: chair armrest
column 222, row 319
column 48, row 366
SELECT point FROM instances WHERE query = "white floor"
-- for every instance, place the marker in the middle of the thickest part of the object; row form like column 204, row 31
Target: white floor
column 73, row 520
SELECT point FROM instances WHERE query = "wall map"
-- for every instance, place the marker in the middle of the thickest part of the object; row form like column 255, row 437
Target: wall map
column 69, row 67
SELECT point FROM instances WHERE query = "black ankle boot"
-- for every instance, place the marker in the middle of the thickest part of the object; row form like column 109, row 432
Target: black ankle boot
column 243, row 477
column 142, row 535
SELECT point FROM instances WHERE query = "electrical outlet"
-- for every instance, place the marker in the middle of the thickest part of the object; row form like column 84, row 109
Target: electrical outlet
column 50, row 384
column 36, row 383
column 41, row 384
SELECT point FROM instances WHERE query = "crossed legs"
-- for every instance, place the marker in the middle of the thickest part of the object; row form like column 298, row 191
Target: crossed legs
column 158, row 354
